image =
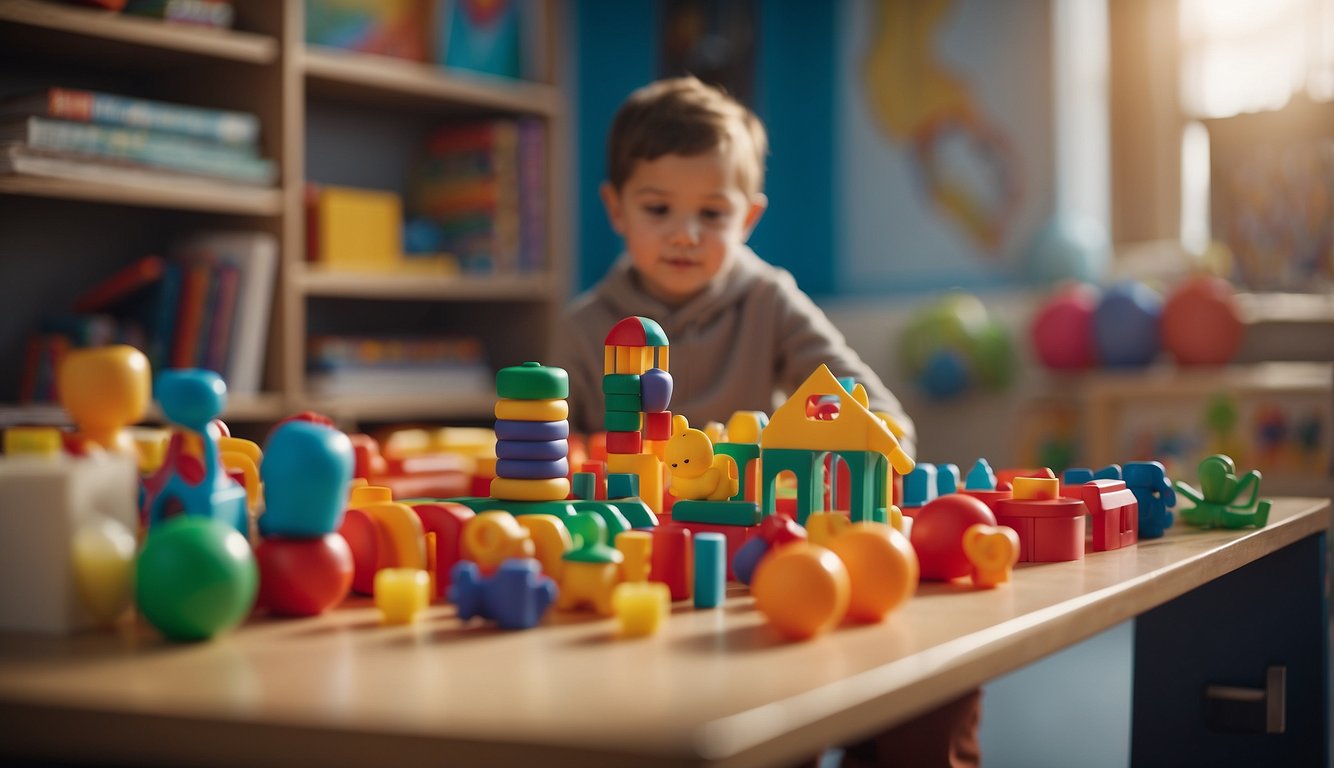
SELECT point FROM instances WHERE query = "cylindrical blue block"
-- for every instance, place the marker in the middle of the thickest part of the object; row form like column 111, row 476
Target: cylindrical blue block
column 513, row 429
column 520, row 469
column 710, row 569
column 532, row 450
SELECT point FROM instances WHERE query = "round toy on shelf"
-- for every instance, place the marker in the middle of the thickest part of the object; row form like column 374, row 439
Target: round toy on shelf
column 1125, row 325
column 952, row 343
column 195, row 577
column 1201, row 324
column 1062, row 329
column 1068, row 247
column 938, row 535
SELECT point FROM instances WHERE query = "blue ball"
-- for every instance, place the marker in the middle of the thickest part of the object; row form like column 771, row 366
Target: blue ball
column 1125, row 326
column 945, row 374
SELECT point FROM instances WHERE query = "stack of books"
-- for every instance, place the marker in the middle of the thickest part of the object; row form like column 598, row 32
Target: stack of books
column 483, row 184
column 205, row 306
column 76, row 134
column 370, row 365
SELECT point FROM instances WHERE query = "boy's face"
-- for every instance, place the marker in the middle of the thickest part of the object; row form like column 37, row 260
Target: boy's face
column 682, row 218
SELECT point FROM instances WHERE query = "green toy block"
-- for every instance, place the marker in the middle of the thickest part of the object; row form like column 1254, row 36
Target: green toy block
column 532, row 381
column 561, row 509
column 623, row 421
column 620, row 384
column 743, row 454
column 584, row 485
column 716, row 512
column 622, row 485
column 611, row 516
column 636, row 512
column 632, row 403
column 808, row 466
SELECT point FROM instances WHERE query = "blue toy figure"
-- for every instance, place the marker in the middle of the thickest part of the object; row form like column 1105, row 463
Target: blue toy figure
column 1148, row 481
column 307, row 470
column 980, row 477
column 919, row 485
column 516, row 596
column 1081, row 475
column 191, row 480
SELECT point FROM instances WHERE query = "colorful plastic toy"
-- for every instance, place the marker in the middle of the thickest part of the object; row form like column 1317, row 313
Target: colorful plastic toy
column 492, row 537
column 104, row 390
column 592, row 569
column 307, row 470
column 192, row 481
column 952, row 343
column 1113, row 512
column 1219, row 502
column 551, row 541
column 637, row 389
column 1201, row 323
column 446, row 521
column 641, row 608
column 710, row 569
column 1125, row 325
column 711, row 476
column 993, row 550
column 882, row 569
column 1062, row 329
column 195, row 577
column 1153, row 491
column 672, row 560
column 937, row 535
column 516, row 596
column 402, row 594
column 636, row 548
column 1050, row 528
column 303, row 576
column 67, row 524
column 802, row 589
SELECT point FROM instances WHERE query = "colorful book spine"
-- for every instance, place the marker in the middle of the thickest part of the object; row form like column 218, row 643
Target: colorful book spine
column 124, row 283
column 532, row 195
column 226, row 126
column 149, row 148
column 215, row 14
column 227, row 278
column 190, row 315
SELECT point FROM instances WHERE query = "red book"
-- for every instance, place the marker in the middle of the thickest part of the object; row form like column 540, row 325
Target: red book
column 122, row 284
column 190, row 316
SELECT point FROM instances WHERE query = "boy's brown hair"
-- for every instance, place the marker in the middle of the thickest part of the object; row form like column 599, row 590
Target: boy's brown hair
column 684, row 116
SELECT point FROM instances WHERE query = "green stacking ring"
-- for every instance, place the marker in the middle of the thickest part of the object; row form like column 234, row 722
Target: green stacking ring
column 532, row 381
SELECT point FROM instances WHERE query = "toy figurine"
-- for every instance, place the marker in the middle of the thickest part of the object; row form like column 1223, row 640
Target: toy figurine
column 1148, row 481
column 1216, row 503
column 712, row 476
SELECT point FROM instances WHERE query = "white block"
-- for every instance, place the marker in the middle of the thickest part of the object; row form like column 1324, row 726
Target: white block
column 43, row 503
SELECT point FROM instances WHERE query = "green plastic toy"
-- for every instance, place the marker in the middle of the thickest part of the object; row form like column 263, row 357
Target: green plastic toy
column 1216, row 502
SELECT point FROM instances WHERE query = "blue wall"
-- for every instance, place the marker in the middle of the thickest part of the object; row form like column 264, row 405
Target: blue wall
column 617, row 47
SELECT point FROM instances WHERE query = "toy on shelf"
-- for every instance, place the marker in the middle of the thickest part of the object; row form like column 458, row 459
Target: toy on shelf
column 712, row 477
column 402, row 594
column 773, row 531
column 1201, row 322
column 710, row 569
column 993, row 550
column 882, row 569
column 1113, row 512
column 1219, row 502
column 802, row 589
column 641, row 608
column 305, row 565
column 195, row 577
column 1050, row 527
column 1062, row 329
column 637, row 390
column 592, row 569
column 938, row 534
column 952, row 344
column 192, row 480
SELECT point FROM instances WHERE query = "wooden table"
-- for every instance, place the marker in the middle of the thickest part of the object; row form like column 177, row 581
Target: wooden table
column 717, row 687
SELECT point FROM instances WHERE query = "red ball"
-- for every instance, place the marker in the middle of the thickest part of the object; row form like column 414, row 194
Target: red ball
column 1201, row 324
column 1062, row 330
column 358, row 530
column 303, row 577
column 937, row 535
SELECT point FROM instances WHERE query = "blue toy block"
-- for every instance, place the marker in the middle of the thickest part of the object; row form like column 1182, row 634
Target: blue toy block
column 516, row 596
column 980, row 477
column 947, row 479
column 533, row 450
column 512, row 429
column 710, row 569
column 748, row 557
column 622, row 485
column 919, row 485
column 656, row 389
column 524, row 469
column 306, row 469
column 1077, row 476
column 584, row 485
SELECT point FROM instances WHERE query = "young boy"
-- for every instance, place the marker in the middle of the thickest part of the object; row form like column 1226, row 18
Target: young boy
column 685, row 190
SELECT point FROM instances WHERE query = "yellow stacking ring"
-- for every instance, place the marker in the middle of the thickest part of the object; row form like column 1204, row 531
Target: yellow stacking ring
column 532, row 410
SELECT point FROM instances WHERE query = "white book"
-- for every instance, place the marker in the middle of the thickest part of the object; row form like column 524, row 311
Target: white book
column 255, row 255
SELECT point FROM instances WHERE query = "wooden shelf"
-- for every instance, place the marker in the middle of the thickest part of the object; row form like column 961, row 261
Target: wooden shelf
column 446, row 405
column 387, row 81
column 186, row 194
column 355, row 285
column 93, row 26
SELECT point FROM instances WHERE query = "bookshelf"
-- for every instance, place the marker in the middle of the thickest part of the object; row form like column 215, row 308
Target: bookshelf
column 263, row 66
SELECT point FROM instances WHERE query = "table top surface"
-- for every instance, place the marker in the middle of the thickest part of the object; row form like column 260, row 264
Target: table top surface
column 715, row 686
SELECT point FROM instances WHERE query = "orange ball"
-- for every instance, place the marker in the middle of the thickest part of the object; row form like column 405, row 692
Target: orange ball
column 882, row 569
column 1201, row 323
column 802, row 589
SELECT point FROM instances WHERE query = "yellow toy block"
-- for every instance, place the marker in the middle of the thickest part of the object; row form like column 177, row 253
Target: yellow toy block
column 402, row 594
column 648, row 467
column 823, row 526
column 588, row 584
column 511, row 489
column 360, row 229
column 492, row 537
column 360, row 496
column 402, row 541
column 1032, row 488
column 641, row 607
column 532, row 410
column 243, row 456
column 33, row 441
column 636, row 547
column 633, row 359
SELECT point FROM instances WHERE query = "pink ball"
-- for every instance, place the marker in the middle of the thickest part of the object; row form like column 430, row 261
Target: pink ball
column 1062, row 330
column 1201, row 324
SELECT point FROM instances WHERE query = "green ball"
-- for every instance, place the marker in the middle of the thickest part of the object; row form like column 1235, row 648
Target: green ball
column 196, row 577
column 532, row 381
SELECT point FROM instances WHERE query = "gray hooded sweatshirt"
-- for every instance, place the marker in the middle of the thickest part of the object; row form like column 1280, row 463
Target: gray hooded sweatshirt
column 743, row 344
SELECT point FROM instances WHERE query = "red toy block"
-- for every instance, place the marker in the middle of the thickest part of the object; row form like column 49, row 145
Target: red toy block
column 625, row 442
column 358, row 529
column 658, row 425
column 446, row 520
column 736, row 535
column 989, row 497
column 673, row 560
column 1050, row 530
column 1115, row 513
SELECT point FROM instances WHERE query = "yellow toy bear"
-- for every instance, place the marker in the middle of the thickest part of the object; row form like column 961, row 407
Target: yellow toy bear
column 696, row 472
